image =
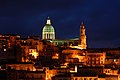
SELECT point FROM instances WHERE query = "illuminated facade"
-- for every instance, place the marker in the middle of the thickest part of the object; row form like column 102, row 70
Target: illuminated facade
column 95, row 58
column 55, row 59
column 26, row 47
column 75, row 54
column 82, row 40
column 48, row 31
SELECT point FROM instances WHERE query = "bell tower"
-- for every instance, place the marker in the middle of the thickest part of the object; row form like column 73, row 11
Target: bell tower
column 82, row 39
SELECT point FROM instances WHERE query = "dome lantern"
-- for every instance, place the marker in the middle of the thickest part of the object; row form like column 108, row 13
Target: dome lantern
column 48, row 21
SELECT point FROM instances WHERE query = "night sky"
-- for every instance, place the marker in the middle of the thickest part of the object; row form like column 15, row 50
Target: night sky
column 27, row 17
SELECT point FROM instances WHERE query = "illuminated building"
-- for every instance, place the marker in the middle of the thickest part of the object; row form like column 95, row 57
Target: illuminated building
column 9, row 46
column 64, row 59
column 18, row 48
column 110, row 71
column 48, row 34
column 21, row 66
column 33, row 52
column 96, row 58
column 48, row 31
column 85, row 76
column 31, row 46
column 75, row 53
column 55, row 56
column 8, row 40
column 12, row 74
column 65, row 42
column 82, row 40
column 62, row 77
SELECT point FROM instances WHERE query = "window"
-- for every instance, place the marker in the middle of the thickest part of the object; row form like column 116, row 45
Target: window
column 95, row 79
column 75, row 78
column 90, row 78
column 36, row 43
column 30, row 43
column 40, row 76
column 85, row 78
column 97, row 59
column 101, row 62
column 93, row 58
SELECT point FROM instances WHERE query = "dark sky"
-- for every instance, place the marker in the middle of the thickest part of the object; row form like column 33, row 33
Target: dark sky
column 27, row 17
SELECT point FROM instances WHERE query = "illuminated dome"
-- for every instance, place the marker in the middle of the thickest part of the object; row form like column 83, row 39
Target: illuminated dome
column 48, row 31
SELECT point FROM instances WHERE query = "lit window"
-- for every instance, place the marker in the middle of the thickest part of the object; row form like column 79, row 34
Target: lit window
column 80, row 65
column 97, row 59
column 114, row 60
column 5, row 50
column 90, row 78
column 83, row 53
column 24, row 41
column 93, row 58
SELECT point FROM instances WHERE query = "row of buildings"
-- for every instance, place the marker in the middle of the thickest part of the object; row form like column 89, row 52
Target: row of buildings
column 49, row 58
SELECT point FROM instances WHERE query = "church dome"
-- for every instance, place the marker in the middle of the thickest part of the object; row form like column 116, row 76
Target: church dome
column 48, row 31
column 48, row 28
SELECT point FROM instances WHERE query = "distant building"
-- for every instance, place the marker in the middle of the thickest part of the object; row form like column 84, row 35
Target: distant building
column 75, row 53
column 48, row 31
column 56, row 59
column 95, row 58
column 20, row 66
column 13, row 74
column 17, row 48
column 85, row 76
column 82, row 40
column 62, row 77
column 48, row 34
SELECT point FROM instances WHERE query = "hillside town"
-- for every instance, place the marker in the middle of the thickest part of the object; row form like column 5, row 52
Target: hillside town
column 49, row 58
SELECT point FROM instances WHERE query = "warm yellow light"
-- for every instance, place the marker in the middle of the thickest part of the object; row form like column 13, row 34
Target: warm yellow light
column 66, row 64
column 35, row 54
column 75, row 71
column 49, row 76
column 46, row 78
column 56, row 56
column 77, row 56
